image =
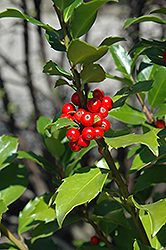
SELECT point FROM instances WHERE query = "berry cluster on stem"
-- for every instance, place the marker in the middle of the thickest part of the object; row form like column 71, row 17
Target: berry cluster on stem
column 91, row 119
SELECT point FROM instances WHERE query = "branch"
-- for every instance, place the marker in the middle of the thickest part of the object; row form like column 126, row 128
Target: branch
column 11, row 237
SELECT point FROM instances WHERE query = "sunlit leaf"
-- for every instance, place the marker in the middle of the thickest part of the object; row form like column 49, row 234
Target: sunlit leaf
column 134, row 20
column 78, row 189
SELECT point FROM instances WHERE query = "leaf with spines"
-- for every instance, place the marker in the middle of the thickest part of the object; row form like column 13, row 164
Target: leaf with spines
column 52, row 68
column 78, row 189
column 83, row 17
column 82, row 52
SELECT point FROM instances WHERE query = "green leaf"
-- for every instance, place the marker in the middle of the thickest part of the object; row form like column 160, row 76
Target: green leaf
column 9, row 246
column 77, row 190
column 41, row 124
column 83, row 151
column 38, row 159
column 54, row 146
column 61, row 123
column 10, row 12
column 84, row 16
column 142, row 159
column 162, row 111
column 125, row 80
column 92, row 73
column 157, row 94
column 149, row 139
column 3, row 208
column 42, row 244
column 162, row 10
column 62, row 4
column 61, row 82
column 139, row 246
column 128, row 114
column 122, row 60
column 8, row 148
column 52, row 68
column 82, row 52
column 150, row 176
column 134, row 20
column 34, row 212
column 68, row 11
column 14, row 180
column 111, row 40
column 145, row 70
column 158, row 219
column 54, row 40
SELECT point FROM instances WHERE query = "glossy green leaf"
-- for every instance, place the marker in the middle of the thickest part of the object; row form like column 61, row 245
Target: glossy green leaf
column 3, row 208
column 78, row 189
column 150, row 176
column 68, row 11
column 92, row 73
column 42, row 244
column 84, row 16
column 158, row 219
column 83, row 151
column 54, row 146
column 82, row 52
column 61, row 123
column 111, row 40
column 149, row 139
column 125, row 80
column 142, row 159
column 52, row 68
column 8, row 148
column 44, row 229
column 162, row 111
column 61, row 82
column 10, row 12
column 145, row 70
column 34, row 212
column 9, row 246
column 156, row 95
column 62, row 4
column 128, row 114
column 14, row 180
column 42, row 122
column 162, row 10
column 134, row 20
column 122, row 60
column 54, row 40
column 46, row 165
column 140, row 246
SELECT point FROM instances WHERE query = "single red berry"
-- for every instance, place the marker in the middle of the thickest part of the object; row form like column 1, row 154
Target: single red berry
column 99, row 132
column 107, row 101
column 68, row 116
column 76, row 99
column 105, row 125
column 99, row 150
column 98, row 94
column 99, row 117
column 68, row 107
column 74, row 147
column 160, row 123
column 78, row 115
column 103, row 111
column 73, row 134
column 88, row 133
column 94, row 240
column 87, row 119
column 82, row 142
column 164, row 56
column 93, row 105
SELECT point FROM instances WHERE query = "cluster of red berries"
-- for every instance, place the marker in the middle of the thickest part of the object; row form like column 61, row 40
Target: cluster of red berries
column 92, row 120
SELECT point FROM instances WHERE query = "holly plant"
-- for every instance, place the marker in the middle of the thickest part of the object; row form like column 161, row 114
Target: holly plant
column 122, row 219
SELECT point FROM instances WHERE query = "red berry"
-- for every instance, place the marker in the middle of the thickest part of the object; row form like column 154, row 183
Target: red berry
column 76, row 99
column 107, row 101
column 103, row 111
column 68, row 116
column 94, row 240
column 100, row 117
column 78, row 115
column 160, row 123
column 88, row 133
column 74, row 147
column 87, row 119
column 99, row 150
column 99, row 132
column 93, row 104
column 82, row 142
column 73, row 134
column 98, row 94
column 68, row 107
column 105, row 125
column 164, row 56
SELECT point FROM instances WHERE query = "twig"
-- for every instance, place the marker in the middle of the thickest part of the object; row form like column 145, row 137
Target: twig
column 145, row 110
